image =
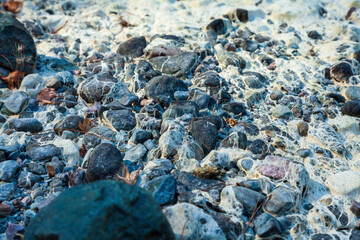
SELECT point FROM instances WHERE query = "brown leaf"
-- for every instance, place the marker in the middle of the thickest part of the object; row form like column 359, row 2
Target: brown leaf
column 46, row 95
column 93, row 109
column 13, row 79
column 85, row 125
column 231, row 122
column 82, row 151
column 129, row 178
column 124, row 23
column 13, row 6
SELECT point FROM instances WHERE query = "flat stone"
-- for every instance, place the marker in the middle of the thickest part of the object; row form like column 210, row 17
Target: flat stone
column 134, row 47
column 26, row 125
column 345, row 183
column 17, row 102
column 44, row 153
column 8, row 170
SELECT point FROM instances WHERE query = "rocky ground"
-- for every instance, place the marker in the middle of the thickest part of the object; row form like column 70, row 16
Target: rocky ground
column 240, row 118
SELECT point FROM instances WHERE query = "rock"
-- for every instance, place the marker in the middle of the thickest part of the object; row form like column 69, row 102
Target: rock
column 200, row 98
column 341, row 71
column 164, row 87
column 216, row 159
column 102, row 87
column 235, row 140
column 43, row 153
column 135, row 154
column 303, row 152
column 303, row 128
column 238, row 14
column 355, row 234
column 322, row 236
column 229, row 58
column 240, row 200
column 355, row 208
column 198, row 224
column 280, row 168
column 32, row 82
column 179, row 108
column 118, row 120
column 140, row 136
column 327, row 135
column 25, row 125
column 158, row 167
column 36, row 168
column 351, row 108
column 345, row 183
column 205, row 133
column 17, row 102
column 258, row 146
column 181, row 65
column 282, row 200
column 353, row 92
column 254, row 80
column 105, row 161
column 281, row 111
column 266, row 225
column 6, row 190
column 20, row 48
column 250, row 45
column 8, row 170
column 314, row 35
column 162, row 188
column 69, row 122
column 54, row 167
column 276, row 94
column 234, row 107
column 92, row 141
column 5, row 210
column 169, row 143
column 135, row 216
column 134, row 47
column 219, row 26
column 27, row 179
column 70, row 152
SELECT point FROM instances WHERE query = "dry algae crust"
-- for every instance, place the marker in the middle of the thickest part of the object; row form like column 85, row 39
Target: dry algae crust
column 106, row 210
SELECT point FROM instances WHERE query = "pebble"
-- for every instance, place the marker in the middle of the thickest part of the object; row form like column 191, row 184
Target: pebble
column 163, row 189
column 341, row 71
column 281, row 111
column 134, row 47
column 234, row 140
column 281, row 201
column 351, row 108
column 267, row 226
column 205, row 133
column 17, row 102
column 43, row 153
column 8, row 170
column 353, row 92
column 119, row 119
column 25, row 125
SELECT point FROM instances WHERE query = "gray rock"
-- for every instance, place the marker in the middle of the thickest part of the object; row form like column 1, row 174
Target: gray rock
column 140, row 136
column 27, row 179
column 205, row 133
column 158, row 167
column 68, row 123
column 102, row 87
column 43, row 153
column 179, row 108
column 25, row 125
column 328, row 136
column 235, row 140
column 109, row 210
column 250, row 45
column 169, row 143
column 303, row 152
column 303, row 128
column 164, row 86
column 351, row 108
column 201, row 98
column 352, row 92
column 17, row 102
column 162, row 188
column 181, row 65
column 238, row 14
column 216, row 159
column 281, row 201
column 19, row 47
column 6, row 189
column 36, row 168
column 134, row 47
column 105, row 161
column 281, row 111
column 341, row 71
column 257, row 146
column 266, row 226
column 219, row 26
column 136, row 153
column 234, row 107
column 32, row 82
column 8, row 170
column 91, row 141
column 229, row 58
column 254, row 80
column 119, row 119
column 181, row 95
column 276, row 94
column 199, row 224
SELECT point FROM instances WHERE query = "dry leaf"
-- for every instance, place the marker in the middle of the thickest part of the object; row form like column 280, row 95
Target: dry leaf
column 85, row 125
column 46, row 95
column 82, row 151
column 13, row 79
column 12, row 6
column 231, row 122
column 124, row 23
column 129, row 178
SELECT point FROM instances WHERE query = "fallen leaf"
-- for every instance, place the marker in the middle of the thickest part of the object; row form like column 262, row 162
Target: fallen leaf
column 13, row 6
column 124, row 23
column 231, row 122
column 85, row 125
column 13, row 79
column 82, row 151
column 46, row 95
column 129, row 178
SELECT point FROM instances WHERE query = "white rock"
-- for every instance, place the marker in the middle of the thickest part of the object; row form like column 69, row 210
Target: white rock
column 32, row 82
column 345, row 183
column 70, row 151
column 216, row 159
column 136, row 153
column 169, row 143
column 187, row 165
column 198, row 224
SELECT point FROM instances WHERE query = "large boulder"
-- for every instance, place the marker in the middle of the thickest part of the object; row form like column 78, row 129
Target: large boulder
column 17, row 45
column 104, row 210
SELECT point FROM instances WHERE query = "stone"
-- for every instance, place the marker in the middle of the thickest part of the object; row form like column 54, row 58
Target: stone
column 68, row 123
column 238, row 14
column 322, row 236
column 8, row 170
column 91, row 141
column 118, row 120
column 70, row 151
column 201, row 98
column 192, row 223
column 229, row 58
column 219, row 26
column 163, row 189
column 281, row 201
column 136, row 153
column 43, row 153
column 235, row 140
column 6, row 190
column 5, row 210
column 303, row 152
column 32, row 82
column 140, row 136
column 303, row 128
column 345, row 183
column 341, row 71
column 102, row 87
column 17, row 102
column 17, row 45
column 181, row 65
column 25, row 125
column 281, row 111
column 351, row 108
column 134, row 47
column 164, row 87
column 54, row 167
column 158, row 167
column 36, row 168
column 250, row 45
column 258, row 146
column 179, row 108
column 105, row 161
column 169, row 143
column 27, row 179
column 205, row 133
column 314, row 35
column 353, row 92
column 216, row 159
column 124, row 212
column 266, row 226
column 276, row 94
column 254, row 80
column 234, row 107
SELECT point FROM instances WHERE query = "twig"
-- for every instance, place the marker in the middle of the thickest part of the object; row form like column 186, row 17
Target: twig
column 58, row 30
column 183, row 229
column 12, row 69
